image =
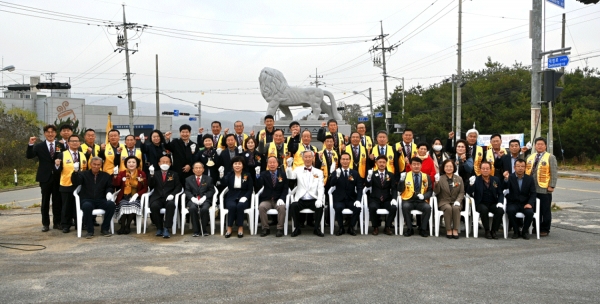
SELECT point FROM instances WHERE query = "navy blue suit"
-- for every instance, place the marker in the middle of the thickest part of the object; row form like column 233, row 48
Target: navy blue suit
column 233, row 196
column 517, row 198
column 484, row 206
column 49, row 181
column 347, row 191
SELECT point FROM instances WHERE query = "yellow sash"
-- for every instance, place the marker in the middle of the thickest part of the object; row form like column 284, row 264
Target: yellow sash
column 409, row 185
column 478, row 159
column 340, row 137
column 389, row 155
column 84, row 148
column 109, row 158
column 543, row 169
column 362, row 163
column 324, row 167
column 413, row 151
column 272, row 151
column 298, row 162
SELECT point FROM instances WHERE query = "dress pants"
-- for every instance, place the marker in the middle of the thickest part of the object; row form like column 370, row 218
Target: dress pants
column 451, row 215
column 50, row 190
column 236, row 211
column 339, row 217
column 511, row 211
column 545, row 211
column 266, row 206
column 423, row 206
column 199, row 212
column 67, row 214
column 375, row 218
column 484, row 209
column 157, row 218
column 88, row 205
column 301, row 204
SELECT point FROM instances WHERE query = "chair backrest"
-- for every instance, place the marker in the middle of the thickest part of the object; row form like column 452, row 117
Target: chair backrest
column 330, row 193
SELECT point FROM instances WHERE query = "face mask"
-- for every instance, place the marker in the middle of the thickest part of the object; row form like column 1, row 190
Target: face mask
column 164, row 167
column 437, row 148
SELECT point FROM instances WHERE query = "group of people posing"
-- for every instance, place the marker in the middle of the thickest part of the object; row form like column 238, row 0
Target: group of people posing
column 398, row 178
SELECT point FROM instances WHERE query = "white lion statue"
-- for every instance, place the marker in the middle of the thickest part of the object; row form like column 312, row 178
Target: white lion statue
column 276, row 91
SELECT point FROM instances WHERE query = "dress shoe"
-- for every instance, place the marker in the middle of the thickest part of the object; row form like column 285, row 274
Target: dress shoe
column 340, row 232
column 456, row 237
column 525, row 235
column 279, row 233
column 318, row 232
column 265, row 232
column 57, row 227
column 408, row 232
column 240, row 235
column 376, row 231
column 388, row 231
column 206, row 233
column 105, row 233
column 424, row 233
column 45, row 228
column 159, row 232
column 515, row 235
column 351, row 231
column 494, row 235
column 89, row 235
column 488, row 235
column 227, row 235
column 66, row 230
column 543, row 233
column 296, row 232
column 166, row 233
column 449, row 236
column 196, row 234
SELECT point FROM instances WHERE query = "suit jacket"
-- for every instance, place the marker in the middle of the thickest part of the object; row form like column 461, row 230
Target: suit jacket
column 347, row 189
column 92, row 187
column 118, row 183
column 507, row 162
column 152, row 153
column 428, row 193
column 477, row 189
column 226, row 160
column 445, row 195
column 527, row 193
column 182, row 155
column 46, row 170
column 387, row 190
column 308, row 182
column 236, row 193
column 172, row 185
column 204, row 157
column 277, row 192
column 206, row 188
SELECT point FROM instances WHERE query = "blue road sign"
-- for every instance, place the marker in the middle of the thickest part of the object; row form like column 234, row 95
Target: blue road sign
column 193, row 118
column 175, row 113
column 378, row 114
column 560, row 3
column 558, row 61
column 363, row 118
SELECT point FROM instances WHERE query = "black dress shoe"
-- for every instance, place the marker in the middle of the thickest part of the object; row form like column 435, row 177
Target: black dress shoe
column 424, row 233
column 340, row 232
column 206, row 233
column 488, row 235
column 45, row 228
column 296, row 232
column 525, row 235
column 57, row 227
column 515, row 235
column 456, row 237
column 351, row 231
column 89, row 235
column 240, row 235
column 227, row 235
column 388, row 231
column 449, row 236
column 279, row 233
column 318, row 232
column 66, row 230
column 265, row 232
column 105, row 233
column 408, row 232
column 375, row 231
column 494, row 235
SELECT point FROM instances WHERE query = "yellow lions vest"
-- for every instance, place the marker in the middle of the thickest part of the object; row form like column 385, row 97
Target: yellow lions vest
column 409, row 185
column 390, row 157
column 84, row 148
column 109, row 158
column 413, row 151
column 362, row 163
column 67, row 167
column 244, row 137
column 125, row 154
column 478, row 159
column 368, row 143
column 272, row 151
column 542, row 170
column 324, row 166
column 340, row 138
column 298, row 162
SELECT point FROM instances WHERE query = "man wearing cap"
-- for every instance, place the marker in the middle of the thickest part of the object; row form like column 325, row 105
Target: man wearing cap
column 542, row 166
column 296, row 134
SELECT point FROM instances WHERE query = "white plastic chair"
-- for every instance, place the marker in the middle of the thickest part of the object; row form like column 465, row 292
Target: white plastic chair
column 94, row 212
column 536, row 217
column 289, row 202
column 269, row 212
column 439, row 214
column 476, row 216
column 163, row 211
column 224, row 211
column 345, row 211
column 380, row 211
column 143, row 202
column 185, row 210
column 414, row 213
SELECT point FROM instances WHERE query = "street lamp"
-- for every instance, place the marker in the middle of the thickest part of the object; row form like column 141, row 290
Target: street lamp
column 402, row 79
column 9, row 68
column 371, row 105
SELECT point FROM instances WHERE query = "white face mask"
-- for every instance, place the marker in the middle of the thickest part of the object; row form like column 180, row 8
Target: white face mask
column 164, row 167
column 437, row 148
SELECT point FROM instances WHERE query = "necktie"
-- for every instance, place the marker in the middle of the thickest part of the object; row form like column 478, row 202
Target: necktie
column 216, row 139
column 52, row 150
column 66, row 145
column 274, row 179
column 94, row 150
column 307, row 147
column 131, row 153
column 382, row 176
column 76, row 157
column 355, row 152
column 381, row 151
column 329, row 157
column 407, row 150
column 363, row 141
column 240, row 141
column 335, row 139
column 537, row 160
column 417, row 183
column 164, row 176
column 198, row 181
column 471, row 151
column 346, row 173
column 307, row 169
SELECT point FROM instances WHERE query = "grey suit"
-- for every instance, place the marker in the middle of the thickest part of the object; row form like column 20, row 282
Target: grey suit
column 205, row 189
column 446, row 196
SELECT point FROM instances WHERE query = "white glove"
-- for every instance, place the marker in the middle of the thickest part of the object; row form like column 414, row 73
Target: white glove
column 472, row 180
column 124, row 179
column 280, row 202
column 221, row 171
column 116, row 171
column 219, row 150
column 357, row 204
column 142, row 138
column 76, row 166
column 505, row 192
column 193, row 148
column 257, row 170
column 456, row 203
column 151, row 169
column 394, row 202
column 195, row 200
column 369, row 175
column 528, row 145
column 243, row 199
column 499, row 205
column 133, row 198
column 240, row 149
column 332, row 168
column 170, row 197
column 402, row 176
column 109, row 196
column 290, row 161
column 202, row 200
column 318, row 204
column 421, row 196
column 437, row 177
column 338, row 172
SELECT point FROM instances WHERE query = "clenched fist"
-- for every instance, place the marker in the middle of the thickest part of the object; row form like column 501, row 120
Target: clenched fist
column 32, row 140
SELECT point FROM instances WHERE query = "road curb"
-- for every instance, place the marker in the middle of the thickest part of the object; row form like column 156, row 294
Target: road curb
column 18, row 188
column 579, row 174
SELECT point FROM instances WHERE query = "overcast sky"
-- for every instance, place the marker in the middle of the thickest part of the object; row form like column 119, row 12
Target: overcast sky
column 426, row 31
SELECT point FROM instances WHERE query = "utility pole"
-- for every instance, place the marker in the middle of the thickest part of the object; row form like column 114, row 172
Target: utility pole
column 317, row 83
column 376, row 62
column 129, row 97
column 535, row 23
column 157, row 98
column 550, row 105
column 459, row 73
column 452, row 102
column 372, row 116
column 199, row 113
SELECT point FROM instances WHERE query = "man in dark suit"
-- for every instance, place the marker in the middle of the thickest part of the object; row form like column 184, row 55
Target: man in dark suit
column 199, row 192
column 229, row 153
column 276, row 187
column 183, row 151
column 347, row 194
column 383, row 195
column 166, row 185
column 416, row 188
column 47, row 152
column 520, row 197
column 487, row 191
column 508, row 160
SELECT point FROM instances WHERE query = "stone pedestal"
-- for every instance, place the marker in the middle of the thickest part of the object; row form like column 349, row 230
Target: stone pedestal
column 312, row 125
